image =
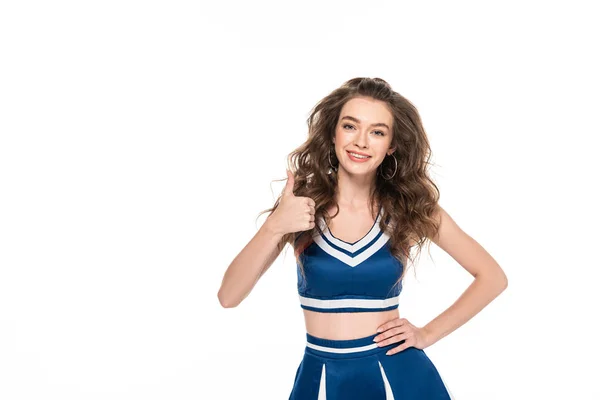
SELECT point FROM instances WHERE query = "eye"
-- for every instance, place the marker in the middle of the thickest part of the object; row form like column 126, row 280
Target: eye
column 352, row 126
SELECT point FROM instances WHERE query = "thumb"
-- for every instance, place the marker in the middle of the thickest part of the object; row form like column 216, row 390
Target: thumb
column 289, row 186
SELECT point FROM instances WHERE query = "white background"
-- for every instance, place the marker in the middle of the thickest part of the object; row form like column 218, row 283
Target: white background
column 140, row 140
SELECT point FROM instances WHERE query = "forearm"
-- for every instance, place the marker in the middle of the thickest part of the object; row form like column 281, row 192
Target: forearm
column 248, row 266
column 479, row 294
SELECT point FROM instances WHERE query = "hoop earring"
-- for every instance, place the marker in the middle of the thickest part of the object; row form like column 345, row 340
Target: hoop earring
column 395, row 169
column 332, row 169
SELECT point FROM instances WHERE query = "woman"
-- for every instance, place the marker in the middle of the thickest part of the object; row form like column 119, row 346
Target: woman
column 358, row 202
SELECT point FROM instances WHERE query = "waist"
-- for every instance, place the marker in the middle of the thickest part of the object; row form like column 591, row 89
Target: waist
column 346, row 325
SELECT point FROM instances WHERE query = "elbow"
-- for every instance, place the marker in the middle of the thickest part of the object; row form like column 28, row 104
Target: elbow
column 502, row 282
column 496, row 281
column 225, row 302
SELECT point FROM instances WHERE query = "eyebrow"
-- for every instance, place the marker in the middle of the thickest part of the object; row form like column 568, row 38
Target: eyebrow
column 358, row 121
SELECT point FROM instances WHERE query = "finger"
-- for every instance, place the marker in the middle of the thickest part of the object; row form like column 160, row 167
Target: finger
column 310, row 221
column 391, row 332
column 311, row 204
column 391, row 324
column 393, row 339
column 397, row 349
column 289, row 185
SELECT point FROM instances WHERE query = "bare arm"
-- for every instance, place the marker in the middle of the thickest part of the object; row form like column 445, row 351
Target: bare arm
column 293, row 214
column 249, row 265
column 489, row 282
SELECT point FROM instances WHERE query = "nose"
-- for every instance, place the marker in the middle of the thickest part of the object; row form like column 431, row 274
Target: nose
column 362, row 138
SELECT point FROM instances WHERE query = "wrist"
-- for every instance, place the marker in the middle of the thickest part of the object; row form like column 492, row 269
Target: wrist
column 430, row 337
column 270, row 226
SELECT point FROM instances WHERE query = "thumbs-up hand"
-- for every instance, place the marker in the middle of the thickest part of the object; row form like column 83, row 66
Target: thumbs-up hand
column 293, row 213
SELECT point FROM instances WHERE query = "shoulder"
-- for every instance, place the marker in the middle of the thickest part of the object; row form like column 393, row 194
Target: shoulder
column 447, row 227
column 451, row 238
column 303, row 240
column 463, row 248
column 440, row 216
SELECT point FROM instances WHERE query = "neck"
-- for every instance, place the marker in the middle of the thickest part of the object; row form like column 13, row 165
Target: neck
column 354, row 191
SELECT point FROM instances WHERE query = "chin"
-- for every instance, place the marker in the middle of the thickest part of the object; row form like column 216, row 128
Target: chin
column 357, row 171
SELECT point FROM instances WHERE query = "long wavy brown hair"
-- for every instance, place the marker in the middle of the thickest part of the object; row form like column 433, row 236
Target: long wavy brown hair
column 409, row 198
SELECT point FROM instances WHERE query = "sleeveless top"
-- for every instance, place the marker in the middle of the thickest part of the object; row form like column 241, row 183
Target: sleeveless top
column 349, row 277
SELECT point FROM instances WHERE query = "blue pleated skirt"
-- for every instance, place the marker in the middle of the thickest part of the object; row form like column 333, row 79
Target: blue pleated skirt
column 358, row 369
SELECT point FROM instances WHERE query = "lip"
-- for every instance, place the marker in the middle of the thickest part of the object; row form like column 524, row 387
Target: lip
column 355, row 159
column 358, row 152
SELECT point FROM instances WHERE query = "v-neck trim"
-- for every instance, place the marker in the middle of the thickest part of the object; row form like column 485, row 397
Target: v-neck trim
column 375, row 223
column 351, row 254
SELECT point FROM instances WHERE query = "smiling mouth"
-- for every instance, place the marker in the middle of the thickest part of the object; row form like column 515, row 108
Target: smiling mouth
column 357, row 157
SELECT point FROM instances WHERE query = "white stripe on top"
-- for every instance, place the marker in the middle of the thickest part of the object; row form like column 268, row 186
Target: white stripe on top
column 351, row 303
column 352, row 261
column 353, row 248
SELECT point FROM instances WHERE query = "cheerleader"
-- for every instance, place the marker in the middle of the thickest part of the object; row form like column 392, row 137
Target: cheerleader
column 357, row 210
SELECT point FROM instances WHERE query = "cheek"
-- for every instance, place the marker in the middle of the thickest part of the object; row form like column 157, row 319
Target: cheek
column 381, row 157
column 378, row 162
column 342, row 141
column 342, row 136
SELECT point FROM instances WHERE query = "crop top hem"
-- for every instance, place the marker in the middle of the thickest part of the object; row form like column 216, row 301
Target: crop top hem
column 358, row 303
column 348, row 309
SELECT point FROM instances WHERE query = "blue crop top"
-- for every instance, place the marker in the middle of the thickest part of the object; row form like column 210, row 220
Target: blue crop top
column 349, row 277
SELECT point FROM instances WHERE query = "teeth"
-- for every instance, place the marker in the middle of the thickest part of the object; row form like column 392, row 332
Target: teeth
column 357, row 155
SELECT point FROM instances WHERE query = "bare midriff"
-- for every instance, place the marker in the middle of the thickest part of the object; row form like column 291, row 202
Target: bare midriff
column 346, row 325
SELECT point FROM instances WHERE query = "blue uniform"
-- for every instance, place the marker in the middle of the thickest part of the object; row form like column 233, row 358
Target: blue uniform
column 357, row 277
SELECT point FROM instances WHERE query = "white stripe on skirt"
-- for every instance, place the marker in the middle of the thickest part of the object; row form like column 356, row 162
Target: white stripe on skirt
column 446, row 386
column 388, row 388
column 389, row 395
column 322, row 389
column 341, row 350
